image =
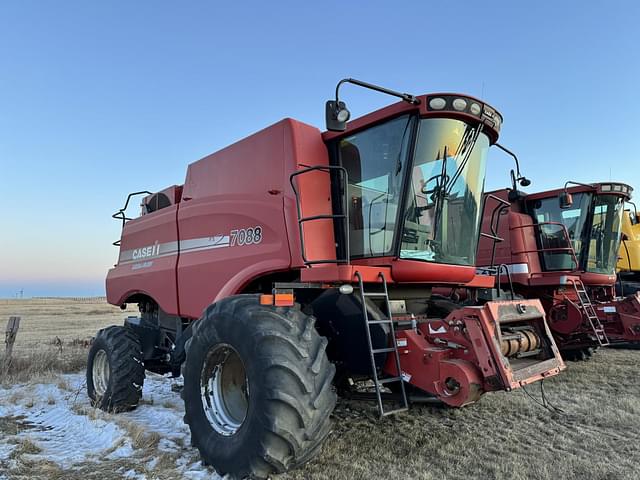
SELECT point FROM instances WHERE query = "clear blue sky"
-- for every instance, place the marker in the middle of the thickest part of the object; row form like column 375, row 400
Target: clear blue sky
column 98, row 99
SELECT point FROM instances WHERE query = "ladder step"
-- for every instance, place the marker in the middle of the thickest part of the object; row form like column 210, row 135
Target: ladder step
column 384, row 295
column 587, row 308
column 383, row 350
column 389, row 380
column 397, row 410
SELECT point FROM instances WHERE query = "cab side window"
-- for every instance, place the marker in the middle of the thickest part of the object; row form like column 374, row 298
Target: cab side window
column 374, row 160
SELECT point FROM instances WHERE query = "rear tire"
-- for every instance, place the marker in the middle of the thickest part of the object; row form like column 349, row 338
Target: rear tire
column 257, row 388
column 115, row 370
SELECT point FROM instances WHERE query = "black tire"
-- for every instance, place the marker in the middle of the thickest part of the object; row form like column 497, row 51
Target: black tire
column 289, row 383
column 121, row 349
column 578, row 354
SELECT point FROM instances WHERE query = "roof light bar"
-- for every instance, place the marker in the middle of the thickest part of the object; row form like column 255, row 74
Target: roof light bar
column 616, row 187
column 458, row 103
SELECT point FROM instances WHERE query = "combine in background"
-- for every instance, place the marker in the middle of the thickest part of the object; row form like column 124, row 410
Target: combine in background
column 561, row 246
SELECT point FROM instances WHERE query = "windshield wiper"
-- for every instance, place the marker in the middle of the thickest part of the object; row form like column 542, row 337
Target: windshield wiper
column 467, row 142
column 444, row 184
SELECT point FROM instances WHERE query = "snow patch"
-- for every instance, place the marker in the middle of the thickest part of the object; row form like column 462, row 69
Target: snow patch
column 54, row 419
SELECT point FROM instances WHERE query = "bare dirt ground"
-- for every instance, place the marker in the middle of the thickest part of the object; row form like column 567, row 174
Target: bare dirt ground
column 48, row 429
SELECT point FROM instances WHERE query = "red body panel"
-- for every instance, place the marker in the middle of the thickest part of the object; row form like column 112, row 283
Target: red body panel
column 147, row 260
column 241, row 187
column 395, row 271
column 209, row 273
column 411, row 271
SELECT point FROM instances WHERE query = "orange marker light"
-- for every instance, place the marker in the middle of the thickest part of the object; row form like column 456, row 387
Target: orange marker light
column 266, row 299
column 283, row 299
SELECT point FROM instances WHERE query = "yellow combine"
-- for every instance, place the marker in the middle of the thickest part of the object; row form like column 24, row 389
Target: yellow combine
column 629, row 257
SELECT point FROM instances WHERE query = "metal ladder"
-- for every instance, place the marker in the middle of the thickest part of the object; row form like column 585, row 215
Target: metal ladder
column 374, row 351
column 587, row 307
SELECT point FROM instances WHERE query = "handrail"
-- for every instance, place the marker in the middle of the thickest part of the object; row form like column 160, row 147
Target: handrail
column 495, row 219
column 343, row 216
column 119, row 215
column 499, row 274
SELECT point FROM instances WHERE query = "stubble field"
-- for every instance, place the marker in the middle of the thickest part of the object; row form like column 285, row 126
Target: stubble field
column 48, row 429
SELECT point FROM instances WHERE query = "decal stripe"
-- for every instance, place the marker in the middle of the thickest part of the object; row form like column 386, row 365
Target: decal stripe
column 512, row 268
column 217, row 241
column 172, row 248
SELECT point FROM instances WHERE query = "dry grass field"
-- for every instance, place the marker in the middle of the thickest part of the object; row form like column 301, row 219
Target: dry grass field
column 54, row 332
column 44, row 319
column 596, row 435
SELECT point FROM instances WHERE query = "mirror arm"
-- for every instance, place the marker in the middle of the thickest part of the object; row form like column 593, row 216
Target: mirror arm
column 579, row 184
column 524, row 181
column 407, row 97
column 336, row 113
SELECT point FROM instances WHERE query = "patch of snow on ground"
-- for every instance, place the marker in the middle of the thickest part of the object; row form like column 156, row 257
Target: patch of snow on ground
column 52, row 418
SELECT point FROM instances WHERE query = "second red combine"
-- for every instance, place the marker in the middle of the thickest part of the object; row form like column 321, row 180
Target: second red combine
column 561, row 246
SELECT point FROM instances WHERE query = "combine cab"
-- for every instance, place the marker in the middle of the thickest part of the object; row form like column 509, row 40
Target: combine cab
column 562, row 246
column 295, row 264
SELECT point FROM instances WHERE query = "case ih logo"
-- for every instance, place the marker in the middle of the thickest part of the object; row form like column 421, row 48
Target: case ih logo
column 239, row 237
column 146, row 252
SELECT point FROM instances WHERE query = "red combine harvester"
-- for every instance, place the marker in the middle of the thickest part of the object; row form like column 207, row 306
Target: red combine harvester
column 295, row 263
column 561, row 246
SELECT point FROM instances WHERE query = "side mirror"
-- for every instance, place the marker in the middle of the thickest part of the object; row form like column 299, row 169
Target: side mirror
column 624, row 237
column 566, row 200
column 524, row 182
column 336, row 115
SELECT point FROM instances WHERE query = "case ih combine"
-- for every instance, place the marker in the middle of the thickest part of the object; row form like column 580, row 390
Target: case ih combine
column 561, row 246
column 295, row 263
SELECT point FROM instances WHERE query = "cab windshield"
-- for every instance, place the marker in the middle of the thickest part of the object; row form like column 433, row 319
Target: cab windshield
column 605, row 234
column 441, row 218
column 593, row 223
column 442, row 184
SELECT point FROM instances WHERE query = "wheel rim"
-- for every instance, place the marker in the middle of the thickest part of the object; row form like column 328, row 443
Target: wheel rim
column 101, row 373
column 224, row 389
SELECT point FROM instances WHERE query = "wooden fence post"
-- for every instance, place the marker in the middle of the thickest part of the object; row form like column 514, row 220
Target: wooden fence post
column 9, row 339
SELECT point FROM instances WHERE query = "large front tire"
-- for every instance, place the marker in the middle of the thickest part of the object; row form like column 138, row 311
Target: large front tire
column 257, row 388
column 115, row 371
